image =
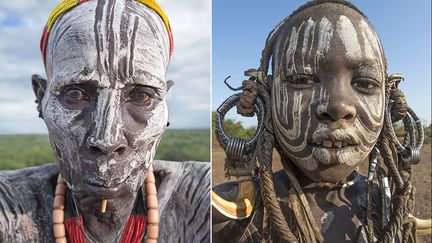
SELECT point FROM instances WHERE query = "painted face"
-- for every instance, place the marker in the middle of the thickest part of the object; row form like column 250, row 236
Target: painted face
column 105, row 105
column 328, row 90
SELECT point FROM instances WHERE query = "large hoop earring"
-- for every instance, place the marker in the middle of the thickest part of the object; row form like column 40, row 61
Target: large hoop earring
column 240, row 161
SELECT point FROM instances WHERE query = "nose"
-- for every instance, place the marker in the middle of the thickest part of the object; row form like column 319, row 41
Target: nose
column 106, row 146
column 337, row 111
column 107, row 136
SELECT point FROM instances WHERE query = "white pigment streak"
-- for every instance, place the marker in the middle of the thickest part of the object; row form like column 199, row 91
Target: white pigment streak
column 292, row 47
column 349, row 38
column 312, row 41
column 366, row 35
column 107, row 115
column 309, row 24
column 325, row 34
column 372, row 44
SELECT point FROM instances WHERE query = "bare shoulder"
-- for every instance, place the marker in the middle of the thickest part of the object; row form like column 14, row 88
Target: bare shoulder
column 184, row 200
column 183, row 176
column 25, row 202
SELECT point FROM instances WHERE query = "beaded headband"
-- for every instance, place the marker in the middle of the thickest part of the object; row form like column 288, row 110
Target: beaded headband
column 65, row 5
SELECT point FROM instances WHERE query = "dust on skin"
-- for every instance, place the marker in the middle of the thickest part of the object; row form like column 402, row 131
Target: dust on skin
column 104, row 104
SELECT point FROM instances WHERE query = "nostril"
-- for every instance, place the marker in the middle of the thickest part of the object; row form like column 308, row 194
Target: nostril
column 120, row 150
column 348, row 117
column 95, row 149
column 98, row 150
column 326, row 117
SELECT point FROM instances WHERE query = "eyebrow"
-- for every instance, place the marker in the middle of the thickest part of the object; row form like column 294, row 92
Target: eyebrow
column 146, row 78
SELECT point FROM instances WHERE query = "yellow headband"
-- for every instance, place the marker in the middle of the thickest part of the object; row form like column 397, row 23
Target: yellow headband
column 65, row 5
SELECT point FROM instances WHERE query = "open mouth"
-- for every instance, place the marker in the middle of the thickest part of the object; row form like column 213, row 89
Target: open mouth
column 333, row 144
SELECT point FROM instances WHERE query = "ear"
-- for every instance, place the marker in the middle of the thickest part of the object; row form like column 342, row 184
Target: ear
column 39, row 85
column 170, row 83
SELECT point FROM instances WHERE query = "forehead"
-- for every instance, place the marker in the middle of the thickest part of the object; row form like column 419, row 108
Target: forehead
column 108, row 42
column 328, row 31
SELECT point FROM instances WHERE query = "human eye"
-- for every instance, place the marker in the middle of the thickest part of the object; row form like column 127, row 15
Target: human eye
column 141, row 95
column 365, row 85
column 301, row 81
column 73, row 96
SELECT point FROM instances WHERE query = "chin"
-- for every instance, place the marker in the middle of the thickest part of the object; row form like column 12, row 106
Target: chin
column 330, row 174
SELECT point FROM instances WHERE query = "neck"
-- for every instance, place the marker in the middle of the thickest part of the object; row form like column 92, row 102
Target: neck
column 108, row 226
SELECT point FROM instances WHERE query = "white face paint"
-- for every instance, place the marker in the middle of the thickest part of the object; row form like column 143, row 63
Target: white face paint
column 328, row 92
column 105, row 105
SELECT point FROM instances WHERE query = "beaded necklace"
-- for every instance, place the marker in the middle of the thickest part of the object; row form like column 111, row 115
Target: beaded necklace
column 135, row 225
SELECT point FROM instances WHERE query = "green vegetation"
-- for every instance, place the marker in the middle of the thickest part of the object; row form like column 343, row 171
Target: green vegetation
column 233, row 128
column 400, row 132
column 183, row 145
column 19, row 151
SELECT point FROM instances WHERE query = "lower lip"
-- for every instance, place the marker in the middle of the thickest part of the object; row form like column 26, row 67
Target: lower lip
column 332, row 156
column 100, row 192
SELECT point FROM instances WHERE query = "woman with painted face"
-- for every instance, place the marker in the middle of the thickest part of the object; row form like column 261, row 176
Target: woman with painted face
column 104, row 104
column 328, row 105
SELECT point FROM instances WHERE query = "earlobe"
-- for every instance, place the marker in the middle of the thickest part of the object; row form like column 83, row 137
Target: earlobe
column 39, row 85
column 169, row 83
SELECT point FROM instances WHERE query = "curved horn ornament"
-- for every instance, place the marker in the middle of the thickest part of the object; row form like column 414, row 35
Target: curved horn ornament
column 241, row 162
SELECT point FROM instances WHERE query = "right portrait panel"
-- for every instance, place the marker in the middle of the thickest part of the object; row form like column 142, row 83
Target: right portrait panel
column 321, row 121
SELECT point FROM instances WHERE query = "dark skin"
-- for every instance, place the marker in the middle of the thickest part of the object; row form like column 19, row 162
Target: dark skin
column 105, row 115
column 327, row 112
column 348, row 80
column 335, row 93
column 89, row 195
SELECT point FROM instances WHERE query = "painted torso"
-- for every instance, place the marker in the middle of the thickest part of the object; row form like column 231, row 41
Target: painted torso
column 338, row 211
column 26, row 201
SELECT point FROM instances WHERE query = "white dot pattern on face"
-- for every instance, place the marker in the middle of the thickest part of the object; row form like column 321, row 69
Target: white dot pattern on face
column 292, row 117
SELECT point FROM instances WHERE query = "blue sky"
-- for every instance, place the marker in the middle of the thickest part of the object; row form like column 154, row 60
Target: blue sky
column 241, row 27
column 238, row 32
column 21, row 23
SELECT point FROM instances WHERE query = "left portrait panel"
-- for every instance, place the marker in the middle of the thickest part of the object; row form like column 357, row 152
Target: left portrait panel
column 105, row 121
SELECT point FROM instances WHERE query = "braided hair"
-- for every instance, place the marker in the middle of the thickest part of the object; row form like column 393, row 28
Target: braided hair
column 397, row 157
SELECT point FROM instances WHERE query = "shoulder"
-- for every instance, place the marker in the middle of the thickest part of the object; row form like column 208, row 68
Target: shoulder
column 180, row 177
column 25, row 195
column 184, row 200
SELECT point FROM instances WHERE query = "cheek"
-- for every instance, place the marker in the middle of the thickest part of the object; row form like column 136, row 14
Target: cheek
column 66, row 127
column 144, row 133
column 146, row 124
column 292, row 117
column 371, row 110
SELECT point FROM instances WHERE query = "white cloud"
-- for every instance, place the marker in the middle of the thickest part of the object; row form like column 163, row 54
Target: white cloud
column 189, row 99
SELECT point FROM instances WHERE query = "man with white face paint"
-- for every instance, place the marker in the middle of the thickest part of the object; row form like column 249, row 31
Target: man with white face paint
column 325, row 112
column 104, row 104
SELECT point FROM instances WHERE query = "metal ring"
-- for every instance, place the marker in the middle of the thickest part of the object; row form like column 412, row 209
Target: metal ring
column 420, row 130
column 399, row 147
column 223, row 109
column 235, row 148
column 411, row 155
